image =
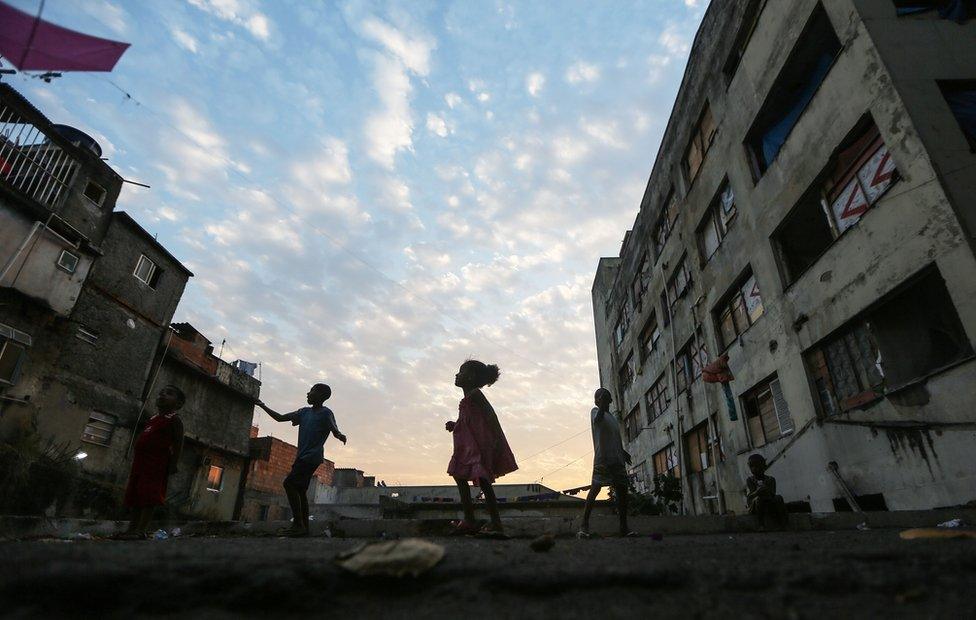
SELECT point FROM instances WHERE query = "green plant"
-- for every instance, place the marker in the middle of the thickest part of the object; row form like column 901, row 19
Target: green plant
column 667, row 491
column 34, row 474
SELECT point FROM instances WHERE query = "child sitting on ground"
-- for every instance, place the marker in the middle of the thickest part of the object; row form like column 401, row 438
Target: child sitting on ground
column 155, row 456
column 609, row 462
column 761, row 494
column 314, row 423
column 481, row 452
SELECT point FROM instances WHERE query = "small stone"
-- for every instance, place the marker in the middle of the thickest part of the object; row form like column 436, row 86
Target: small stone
column 543, row 543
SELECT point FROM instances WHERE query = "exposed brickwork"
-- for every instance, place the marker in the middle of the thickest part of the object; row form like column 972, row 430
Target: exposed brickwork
column 271, row 460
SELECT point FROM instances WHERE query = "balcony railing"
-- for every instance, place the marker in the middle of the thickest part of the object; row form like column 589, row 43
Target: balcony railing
column 30, row 161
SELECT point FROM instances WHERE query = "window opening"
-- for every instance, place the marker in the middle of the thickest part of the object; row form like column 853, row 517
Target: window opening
column 656, row 399
column 88, row 335
column 749, row 20
column 666, row 462
column 794, row 89
column 215, row 478
column 739, row 310
column 701, row 141
column 649, row 337
column 632, row 424
column 626, row 373
column 68, row 261
column 95, row 193
column 679, row 281
column 767, row 414
column 11, row 358
column 100, row 428
column 911, row 334
column 961, row 97
column 145, row 269
column 715, row 225
column 699, row 448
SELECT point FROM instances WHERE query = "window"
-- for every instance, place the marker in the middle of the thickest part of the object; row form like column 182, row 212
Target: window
column 739, row 310
column 623, row 323
column 95, row 193
column 626, row 373
column 68, row 261
column 656, row 399
column 263, row 511
column 767, row 414
column 698, row 444
column 665, row 223
column 701, row 140
column 641, row 281
column 11, row 357
column 145, row 269
column 715, row 224
column 632, row 424
column 666, row 462
column 99, row 429
column 958, row 10
column 961, row 97
column 649, row 337
column 794, row 88
column 911, row 334
column 689, row 361
column 215, row 478
column 87, row 335
column 678, row 282
column 860, row 172
column 749, row 19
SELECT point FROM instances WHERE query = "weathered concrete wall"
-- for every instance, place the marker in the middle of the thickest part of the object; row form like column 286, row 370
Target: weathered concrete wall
column 916, row 224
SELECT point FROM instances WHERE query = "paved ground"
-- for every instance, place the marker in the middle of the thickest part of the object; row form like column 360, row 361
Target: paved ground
column 782, row 575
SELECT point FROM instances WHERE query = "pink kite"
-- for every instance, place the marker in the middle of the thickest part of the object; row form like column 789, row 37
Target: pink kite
column 32, row 44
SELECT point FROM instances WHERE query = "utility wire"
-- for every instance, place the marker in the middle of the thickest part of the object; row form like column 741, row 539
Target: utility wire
column 522, row 460
column 580, row 457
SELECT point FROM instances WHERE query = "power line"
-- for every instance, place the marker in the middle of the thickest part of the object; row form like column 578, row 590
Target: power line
column 553, row 446
column 543, row 477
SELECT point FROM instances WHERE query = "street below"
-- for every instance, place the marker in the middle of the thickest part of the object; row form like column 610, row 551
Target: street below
column 820, row 574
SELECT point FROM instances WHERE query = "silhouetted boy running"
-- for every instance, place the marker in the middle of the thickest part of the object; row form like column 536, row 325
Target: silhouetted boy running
column 314, row 423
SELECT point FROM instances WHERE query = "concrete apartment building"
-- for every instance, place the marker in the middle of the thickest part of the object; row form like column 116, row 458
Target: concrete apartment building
column 811, row 214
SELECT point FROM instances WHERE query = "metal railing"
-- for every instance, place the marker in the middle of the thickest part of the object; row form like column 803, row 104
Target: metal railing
column 30, row 162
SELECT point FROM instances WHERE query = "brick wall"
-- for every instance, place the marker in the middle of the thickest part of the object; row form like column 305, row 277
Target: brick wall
column 273, row 462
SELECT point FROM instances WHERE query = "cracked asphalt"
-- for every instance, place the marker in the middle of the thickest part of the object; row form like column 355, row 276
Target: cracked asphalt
column 842, row 574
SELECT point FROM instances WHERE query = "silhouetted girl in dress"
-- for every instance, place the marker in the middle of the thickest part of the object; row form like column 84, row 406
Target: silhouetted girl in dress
column 481, row 452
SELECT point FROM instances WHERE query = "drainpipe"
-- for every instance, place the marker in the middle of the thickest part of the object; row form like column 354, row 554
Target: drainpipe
column 677, row 401
column 716, row 454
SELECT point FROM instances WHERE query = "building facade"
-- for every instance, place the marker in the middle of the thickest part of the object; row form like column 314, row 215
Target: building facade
column 209, row 483
column 811, row 214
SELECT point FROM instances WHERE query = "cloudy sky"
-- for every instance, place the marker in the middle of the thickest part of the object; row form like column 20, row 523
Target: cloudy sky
column 370, row 193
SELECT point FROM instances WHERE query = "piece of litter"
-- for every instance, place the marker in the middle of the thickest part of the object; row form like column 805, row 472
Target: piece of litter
column 176, row 532
column 82, row 536
column 394, row 558
column 957, row 522
column 932, row 532
column 160, row 535
column 863, row 526
column 543, row 543
column 327, row 532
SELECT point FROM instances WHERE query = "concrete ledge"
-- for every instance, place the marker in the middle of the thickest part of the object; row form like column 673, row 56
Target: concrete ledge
column 13, row 527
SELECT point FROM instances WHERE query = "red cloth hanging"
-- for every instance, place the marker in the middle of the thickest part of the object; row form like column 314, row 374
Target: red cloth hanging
column 718, row 371
column 32, row 44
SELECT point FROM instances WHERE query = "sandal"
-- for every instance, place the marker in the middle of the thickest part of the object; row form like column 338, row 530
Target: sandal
column 491, row 532
column 464, row 528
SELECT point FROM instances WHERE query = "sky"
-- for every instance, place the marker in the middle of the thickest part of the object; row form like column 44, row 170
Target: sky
column 370, row 193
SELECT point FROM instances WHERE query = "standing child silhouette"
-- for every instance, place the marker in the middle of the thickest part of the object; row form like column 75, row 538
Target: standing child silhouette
column 481, row 452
